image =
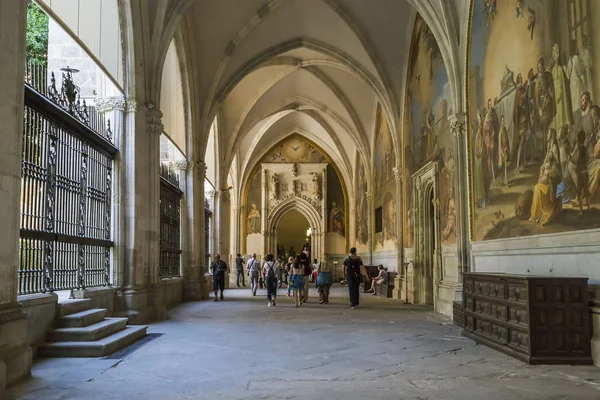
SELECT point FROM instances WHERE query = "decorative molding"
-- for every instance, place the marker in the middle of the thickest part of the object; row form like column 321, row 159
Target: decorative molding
column 199, row 165
column 179, row 165
column 107, row 104
column 397, row 175
column 458, row 125
column 316, row 204
column 154, row 124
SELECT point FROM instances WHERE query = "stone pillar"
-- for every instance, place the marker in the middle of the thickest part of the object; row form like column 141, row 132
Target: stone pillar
column 222, row 222
column 141, row 197
column 113, row 109
column 458, row 127
column 369, row 197
column 15, row 353
column 264, row 211
column 399, row 281
column 191, row 178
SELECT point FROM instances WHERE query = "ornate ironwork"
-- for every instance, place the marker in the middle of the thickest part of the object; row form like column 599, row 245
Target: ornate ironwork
column 170, row 230
column 171, row 176
column 68, row 98
column 66, row 172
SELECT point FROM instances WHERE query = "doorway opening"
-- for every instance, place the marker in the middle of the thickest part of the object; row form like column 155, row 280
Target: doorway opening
column 430, row 248
column 292, row 233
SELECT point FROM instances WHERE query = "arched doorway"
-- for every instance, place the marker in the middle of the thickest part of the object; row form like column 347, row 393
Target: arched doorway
column 427, row 261
column 292, row 231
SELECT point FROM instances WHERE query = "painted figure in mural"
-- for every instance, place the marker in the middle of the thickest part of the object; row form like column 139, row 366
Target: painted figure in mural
column 316, row 180
column 450, row 229
column 588, row 64
column 553, row 147
column 566, row 188
column 594, row 165
column 562, row 93
column 576, row 73
column 254, row 220
column 508, row 81
column 519, row 9
column 531, row 147
column 545, row 98
column 337, row 221
column 520, row 120
column 545, row 205
column 584, row 121
column 480, row 167
column 275, row 187
column 491, row 126
column 504, row 150
column 389, row 215
column 579, row 157
column 427, row 135
column 490, row 11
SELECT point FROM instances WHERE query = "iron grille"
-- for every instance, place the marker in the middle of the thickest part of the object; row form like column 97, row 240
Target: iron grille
column 66, row 186
column 170, row 224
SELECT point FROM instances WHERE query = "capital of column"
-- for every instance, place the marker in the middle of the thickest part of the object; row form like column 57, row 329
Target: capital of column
column 179, row 165
column 154, row 123
column 200, row 166
column 397, row 175
column 458, row 125
column 369, row 196
column 107, row 104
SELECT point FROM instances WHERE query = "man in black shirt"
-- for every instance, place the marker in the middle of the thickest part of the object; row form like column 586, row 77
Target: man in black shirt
column 239, row 267
column 218, row 269
column 352, row 265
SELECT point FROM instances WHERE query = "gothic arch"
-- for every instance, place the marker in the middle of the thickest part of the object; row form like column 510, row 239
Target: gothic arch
column 313, row 215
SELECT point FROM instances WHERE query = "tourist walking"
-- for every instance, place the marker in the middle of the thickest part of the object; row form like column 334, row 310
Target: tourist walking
column 254, row 272
column 297, row 280
column 307, row 273
column 352, row 267
column 218, row 269
column 270, row 272
column 288, row 273
column 239, row 268
column 323, row 282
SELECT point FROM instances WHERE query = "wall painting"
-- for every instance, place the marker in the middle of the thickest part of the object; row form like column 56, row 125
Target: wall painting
column 534, row 76
column 427, row 134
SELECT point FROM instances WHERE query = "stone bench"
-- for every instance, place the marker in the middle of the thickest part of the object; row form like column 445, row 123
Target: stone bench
column 387, row 289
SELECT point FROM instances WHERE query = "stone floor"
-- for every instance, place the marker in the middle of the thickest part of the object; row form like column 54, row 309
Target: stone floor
column 241, row 349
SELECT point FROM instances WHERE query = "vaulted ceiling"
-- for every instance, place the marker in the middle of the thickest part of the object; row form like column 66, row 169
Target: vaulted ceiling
column 270, row 68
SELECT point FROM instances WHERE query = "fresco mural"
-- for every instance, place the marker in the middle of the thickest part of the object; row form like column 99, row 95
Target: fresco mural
column 427, row 134
column 295, row 149
column 362, row 208
column 384, row 161
column 335, row 199
column 534, row 128
column 253, row 204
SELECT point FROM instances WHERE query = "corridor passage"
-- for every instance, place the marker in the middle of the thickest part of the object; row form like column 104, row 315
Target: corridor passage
column 242, row 349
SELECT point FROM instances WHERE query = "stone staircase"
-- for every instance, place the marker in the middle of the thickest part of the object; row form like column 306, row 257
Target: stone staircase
column 82, row 331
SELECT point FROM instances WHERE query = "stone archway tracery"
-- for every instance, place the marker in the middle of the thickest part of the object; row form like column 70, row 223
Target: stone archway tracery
column 311, row 210
column 427, row 256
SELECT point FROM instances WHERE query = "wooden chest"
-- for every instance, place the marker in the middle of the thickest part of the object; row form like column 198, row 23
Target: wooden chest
column 540, row 320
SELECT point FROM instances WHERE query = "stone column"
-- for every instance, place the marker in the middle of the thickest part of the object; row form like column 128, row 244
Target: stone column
column 458, row 127
column 399, row 281
column 113, row 109
column 141, row 197
column 369, row 197
column 264, row 211
column 222, row 222
column 15, row 353
column 191, row 177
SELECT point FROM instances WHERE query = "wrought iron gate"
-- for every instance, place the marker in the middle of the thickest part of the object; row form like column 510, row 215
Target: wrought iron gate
column 170, row 224
column 66, row 186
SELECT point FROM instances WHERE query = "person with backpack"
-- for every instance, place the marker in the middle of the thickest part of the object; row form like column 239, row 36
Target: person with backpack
column 218, row 269
column 270, row 272
column 239, row 267
column 254, row 273
column 352, row 270
column 307, row 274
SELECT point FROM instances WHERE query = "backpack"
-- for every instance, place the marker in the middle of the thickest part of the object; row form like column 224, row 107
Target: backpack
column 270, row 272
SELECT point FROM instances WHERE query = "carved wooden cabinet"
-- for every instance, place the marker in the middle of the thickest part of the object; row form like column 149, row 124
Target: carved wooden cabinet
column 540, row 320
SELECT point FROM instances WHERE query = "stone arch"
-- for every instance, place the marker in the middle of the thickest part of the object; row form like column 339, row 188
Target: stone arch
column 312, row 213
column 427, row 255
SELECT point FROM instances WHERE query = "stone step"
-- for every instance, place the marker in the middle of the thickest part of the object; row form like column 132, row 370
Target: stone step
column 81, row 319
column 88, row 333
column 98, row 348
column 68, row 307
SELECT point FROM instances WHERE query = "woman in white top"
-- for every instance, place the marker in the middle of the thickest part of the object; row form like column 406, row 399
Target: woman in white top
column 271, row 272
column 378, row 280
